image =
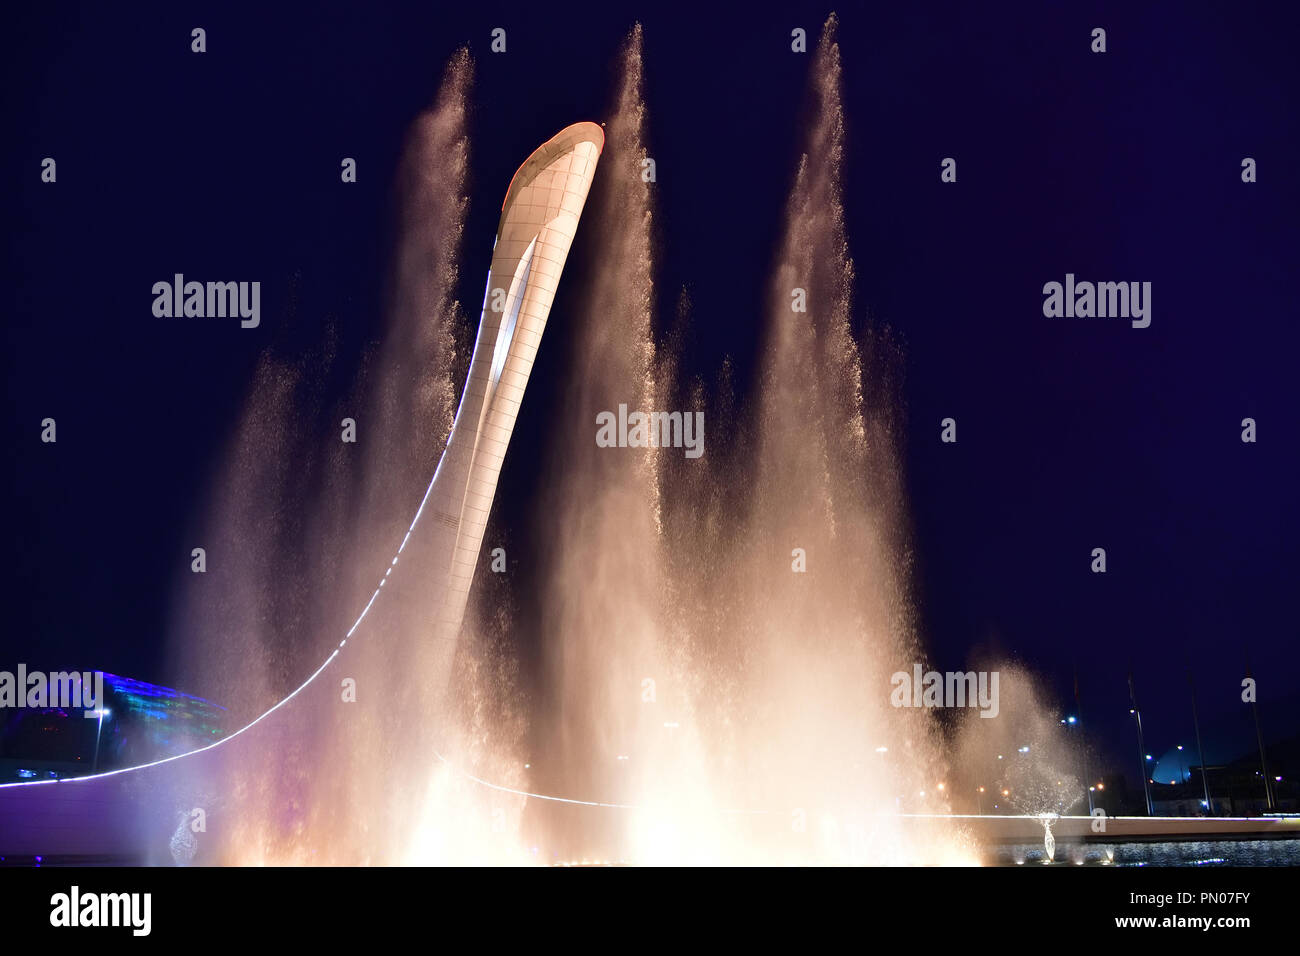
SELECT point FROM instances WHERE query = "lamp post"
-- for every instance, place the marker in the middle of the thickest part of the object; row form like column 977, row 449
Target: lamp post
column 1196, row 723
column 100, row 713
column 1073, row 721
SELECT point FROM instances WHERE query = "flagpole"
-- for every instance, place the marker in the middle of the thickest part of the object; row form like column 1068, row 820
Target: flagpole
column 1259, row 737
column 1142, row 752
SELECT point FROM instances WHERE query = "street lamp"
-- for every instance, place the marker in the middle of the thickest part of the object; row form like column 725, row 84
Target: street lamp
column 1137, row 719
column 100, row 713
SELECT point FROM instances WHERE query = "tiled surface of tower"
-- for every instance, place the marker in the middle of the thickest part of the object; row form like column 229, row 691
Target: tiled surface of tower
column 539, row 219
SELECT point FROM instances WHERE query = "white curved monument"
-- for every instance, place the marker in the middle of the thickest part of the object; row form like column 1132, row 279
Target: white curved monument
column 538, row 221
column 117, row 811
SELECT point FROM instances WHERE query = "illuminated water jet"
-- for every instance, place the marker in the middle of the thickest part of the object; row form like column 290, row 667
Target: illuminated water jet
column 672, row 602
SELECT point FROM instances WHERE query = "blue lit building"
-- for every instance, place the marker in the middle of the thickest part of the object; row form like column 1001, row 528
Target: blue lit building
column 141, row 722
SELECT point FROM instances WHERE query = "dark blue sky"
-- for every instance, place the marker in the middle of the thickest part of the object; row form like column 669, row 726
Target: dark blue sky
column 1073, row 434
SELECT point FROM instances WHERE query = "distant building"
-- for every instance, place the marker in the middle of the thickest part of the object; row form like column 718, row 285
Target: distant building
column 142, row 722
column 1236, row 790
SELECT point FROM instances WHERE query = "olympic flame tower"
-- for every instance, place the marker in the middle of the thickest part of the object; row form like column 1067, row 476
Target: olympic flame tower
column 538, row 221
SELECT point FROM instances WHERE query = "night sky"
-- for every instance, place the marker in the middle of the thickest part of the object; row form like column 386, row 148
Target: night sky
column 1073, row 433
